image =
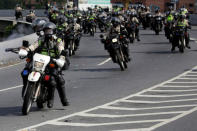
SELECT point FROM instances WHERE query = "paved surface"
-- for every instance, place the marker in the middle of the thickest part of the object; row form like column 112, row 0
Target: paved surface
column 133, row 100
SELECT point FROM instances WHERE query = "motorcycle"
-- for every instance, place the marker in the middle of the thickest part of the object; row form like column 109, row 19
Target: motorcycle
column 131, row 27
column 168, row 31
column 70, row 38
column 36, row 89
column 115, row 48
column 179, row 38
column 18, row 14
column 30, row 18
column 146, row 21
column 157, row 24
column 91, row 27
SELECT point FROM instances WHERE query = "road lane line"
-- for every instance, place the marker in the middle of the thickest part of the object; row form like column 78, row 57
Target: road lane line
column 182, row 82
column 11, row 88
column 173, row 90
column 189, row 75
column 173, row 119
column 155, row 102
column 104, row 124
column 164, row 96
column 102, row 63
column 119, row 116
column 137, row 129
column 110, row 103
column 148, row 108
column 187, row 78
column 178, row 86
column 11, row 65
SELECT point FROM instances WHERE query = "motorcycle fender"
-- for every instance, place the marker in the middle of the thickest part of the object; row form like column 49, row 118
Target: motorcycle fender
column 34, row 76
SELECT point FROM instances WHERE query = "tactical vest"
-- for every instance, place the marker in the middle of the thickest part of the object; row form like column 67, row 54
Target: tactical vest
column 182, row 23
column 49, row 50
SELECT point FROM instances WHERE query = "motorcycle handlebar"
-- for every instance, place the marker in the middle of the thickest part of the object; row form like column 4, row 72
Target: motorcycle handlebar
column 14, row 50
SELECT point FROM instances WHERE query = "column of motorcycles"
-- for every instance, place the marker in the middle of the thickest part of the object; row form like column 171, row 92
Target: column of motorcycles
column 177, row 36
column 116, row 43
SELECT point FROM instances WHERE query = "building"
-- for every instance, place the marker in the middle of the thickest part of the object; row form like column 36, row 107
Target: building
column 162, row 4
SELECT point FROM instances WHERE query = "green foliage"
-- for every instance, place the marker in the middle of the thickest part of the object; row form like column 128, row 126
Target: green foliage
column 8, row 29
column 7, row 4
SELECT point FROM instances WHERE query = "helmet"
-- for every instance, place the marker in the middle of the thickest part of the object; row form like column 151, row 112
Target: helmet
column 49, row 29
column 38, row 24
column 70, row 20
column 181, row 16
column 55, row 10
column 157, row 10
column 62, row 19
column 115, row 21
column 31, row 11
column 133, row 14
column 17, row 5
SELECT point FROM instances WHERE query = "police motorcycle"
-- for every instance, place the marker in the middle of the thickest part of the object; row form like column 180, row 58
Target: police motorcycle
column 102, row 23
column 115, row 48
column 168, row 30
column 29, row 17
column 36, row 89
column 18, row 13
column 70, row 38
column 147, row 20
column 179, row 38
column 158, row 21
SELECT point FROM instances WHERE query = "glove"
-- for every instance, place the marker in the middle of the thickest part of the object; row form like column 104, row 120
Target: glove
column 60, row 62
column 22, row 52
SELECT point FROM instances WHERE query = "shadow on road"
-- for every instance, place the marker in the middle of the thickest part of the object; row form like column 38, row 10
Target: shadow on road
column 158, row 43
column 98, row 70
column 93, row 57
column 155, row 52
column 14, row 111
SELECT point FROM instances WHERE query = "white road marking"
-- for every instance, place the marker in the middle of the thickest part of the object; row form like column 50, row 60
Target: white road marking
column 138, row 129
column 148, row 108
column 173, row 90
column 102, row 63
column 173, row 119
column 193, row 39
column 189, row 75
column 187, row 78
column 155, row 102
column 104, row 124
column 183, row 82
column 119, row 116
column 11, row 88
column 164, row 121
column 11, row 65
column 178, row 86
column 164, row 96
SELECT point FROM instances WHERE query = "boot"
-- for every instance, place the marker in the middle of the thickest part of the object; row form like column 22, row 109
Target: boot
column 62, row 95
column 51, row 92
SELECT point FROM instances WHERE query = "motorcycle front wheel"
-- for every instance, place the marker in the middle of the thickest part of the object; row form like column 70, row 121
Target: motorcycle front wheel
column 28, row 98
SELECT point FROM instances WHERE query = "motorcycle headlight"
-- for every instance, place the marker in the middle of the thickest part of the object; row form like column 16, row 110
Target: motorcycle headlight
column 114, row 40
column 38, row 65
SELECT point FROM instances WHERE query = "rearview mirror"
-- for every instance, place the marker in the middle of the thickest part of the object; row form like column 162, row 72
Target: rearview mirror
column 25, row 43
column 101, row 36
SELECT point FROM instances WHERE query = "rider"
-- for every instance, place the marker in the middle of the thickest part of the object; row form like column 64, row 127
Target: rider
column 183, row 22
column 18, row 10
column 54, row 15
column 52, row 46
column 32, row 13
column 134, row 19
column 118, row 28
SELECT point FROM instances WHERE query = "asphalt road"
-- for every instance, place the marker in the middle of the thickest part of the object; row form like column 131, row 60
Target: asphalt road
column 93, row 80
